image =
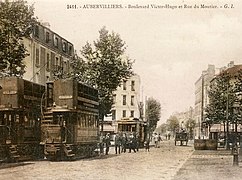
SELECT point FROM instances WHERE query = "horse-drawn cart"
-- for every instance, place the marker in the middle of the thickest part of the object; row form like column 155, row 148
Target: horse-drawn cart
column 182, row 137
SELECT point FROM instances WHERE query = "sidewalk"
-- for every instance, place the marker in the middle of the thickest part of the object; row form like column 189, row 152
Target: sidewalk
column 210, row 165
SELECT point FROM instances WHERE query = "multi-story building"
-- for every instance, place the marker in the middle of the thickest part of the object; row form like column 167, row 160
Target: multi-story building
column 48, row 53
column 201, row 99
column 126, row 103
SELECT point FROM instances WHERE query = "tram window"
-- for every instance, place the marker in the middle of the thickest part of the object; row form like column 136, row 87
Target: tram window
column 86, row 121
column 17, row 118
column 92, row 120
column 79, row 121
column 10, row 117
column 89, row 121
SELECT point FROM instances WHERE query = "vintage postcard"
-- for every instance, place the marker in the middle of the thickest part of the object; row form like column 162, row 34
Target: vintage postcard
column 176, row 48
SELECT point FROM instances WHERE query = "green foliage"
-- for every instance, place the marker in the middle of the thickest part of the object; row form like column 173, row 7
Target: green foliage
column 190, row 123
column 16, row 21
column 222, row 98
column 106, row 66
column 153, row 113
column 172, row 123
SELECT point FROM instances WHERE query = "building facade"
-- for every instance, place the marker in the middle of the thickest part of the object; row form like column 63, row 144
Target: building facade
column 185, row 115
column 127, row 103
column 201, row 99
column 49, row 53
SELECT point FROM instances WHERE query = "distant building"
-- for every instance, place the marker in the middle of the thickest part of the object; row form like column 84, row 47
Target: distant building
column 48, row 52
column 201, row 99
column 185, row 115
column 126, row 103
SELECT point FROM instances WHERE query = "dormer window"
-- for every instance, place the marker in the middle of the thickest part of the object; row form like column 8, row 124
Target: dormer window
column 64, row 45
column 47, row 37
column 56, row 39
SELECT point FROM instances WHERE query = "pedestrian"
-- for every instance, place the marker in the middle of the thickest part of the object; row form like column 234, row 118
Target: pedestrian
column 156, row 140
column 117, row 143
column 101, row 144
column 124, row 142
column 131, row 143
column 159, row 140
column 136, row 142
column 147, row 145
column 107, row 143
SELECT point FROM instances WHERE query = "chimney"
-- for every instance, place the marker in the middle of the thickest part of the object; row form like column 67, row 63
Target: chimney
column 231, row 64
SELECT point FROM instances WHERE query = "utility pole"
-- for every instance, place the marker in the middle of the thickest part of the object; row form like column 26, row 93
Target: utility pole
column 202, row 104
column 227, row 119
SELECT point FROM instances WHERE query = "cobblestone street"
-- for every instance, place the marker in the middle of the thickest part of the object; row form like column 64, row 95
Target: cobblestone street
column 159, row 163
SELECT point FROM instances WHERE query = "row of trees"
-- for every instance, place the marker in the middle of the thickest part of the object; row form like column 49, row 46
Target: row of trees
column 173, row 124
column 102, row 64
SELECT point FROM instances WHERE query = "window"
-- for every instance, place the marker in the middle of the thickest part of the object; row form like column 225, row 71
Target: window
column 70, row 50
column 61, row 62
column 114, row 98
column 37, row 57
column 48, row 62
column 131, row 113
column 47, row 37
column 56, row 63
column 52, row 61
column 56, row 41
column 113, row 114
column 64, row 45
column 132, row 101
column 36, row 31
column 124, row 99
column 124, row 85
column 42, row 56
column 132, row 86
column 124, row 113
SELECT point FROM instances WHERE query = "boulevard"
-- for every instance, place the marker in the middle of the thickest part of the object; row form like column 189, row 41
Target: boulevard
column 158, row 163
column 169, row 162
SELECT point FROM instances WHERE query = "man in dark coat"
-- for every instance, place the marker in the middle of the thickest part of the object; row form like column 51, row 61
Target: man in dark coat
column 131, row 143
column 107, row 142
column 117, row 143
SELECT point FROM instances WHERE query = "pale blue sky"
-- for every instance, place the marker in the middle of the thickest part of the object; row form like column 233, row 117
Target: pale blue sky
column 171, row 47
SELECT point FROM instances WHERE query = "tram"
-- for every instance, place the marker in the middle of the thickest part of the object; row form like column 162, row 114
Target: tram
column 133, row 125
column 20, row 115
column 70, row 122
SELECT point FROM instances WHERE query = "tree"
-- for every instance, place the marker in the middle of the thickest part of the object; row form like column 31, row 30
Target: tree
column 16, row 22
column 107, row 66
column 162, row 128
column 153, row 113
column 190, row 125
column 173, row 124
column 222, row 98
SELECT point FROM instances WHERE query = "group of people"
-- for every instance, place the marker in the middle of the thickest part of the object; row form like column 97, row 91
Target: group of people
column 157, row 139
column 122, row 142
